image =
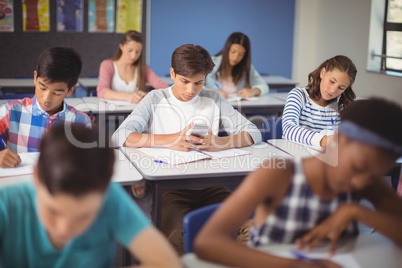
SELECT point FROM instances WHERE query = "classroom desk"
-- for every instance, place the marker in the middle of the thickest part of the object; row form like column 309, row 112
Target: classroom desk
column 77, row 103
column 124, row 173
column 299, row 150
column 273, row 81
column 17, row 85
column 369, row 250
column 277, row 82
column 226, row 172
column 295, row 149
column 261, row 105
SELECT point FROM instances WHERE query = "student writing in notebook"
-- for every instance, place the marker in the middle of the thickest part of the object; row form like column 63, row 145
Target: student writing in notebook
column 163, row 118
column 233, row 72
column 23, row 122
column 309, row 200
column 311, row 114
column 123, row 77
column 72, row 215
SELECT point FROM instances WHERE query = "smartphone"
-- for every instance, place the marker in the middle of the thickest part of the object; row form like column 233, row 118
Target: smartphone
column 199, row 130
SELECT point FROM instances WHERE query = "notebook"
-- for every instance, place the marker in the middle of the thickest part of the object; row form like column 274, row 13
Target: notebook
column 174, row 157
column 28, row 160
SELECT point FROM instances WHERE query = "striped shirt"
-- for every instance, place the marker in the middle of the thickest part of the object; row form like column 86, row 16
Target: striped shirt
column 306, row 122
column 299, row 211
column 23, row 122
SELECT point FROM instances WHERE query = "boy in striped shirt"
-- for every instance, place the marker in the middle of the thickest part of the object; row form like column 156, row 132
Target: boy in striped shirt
column 23, row 122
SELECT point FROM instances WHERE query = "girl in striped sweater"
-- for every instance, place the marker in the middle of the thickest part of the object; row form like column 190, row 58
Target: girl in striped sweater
column 312, row 113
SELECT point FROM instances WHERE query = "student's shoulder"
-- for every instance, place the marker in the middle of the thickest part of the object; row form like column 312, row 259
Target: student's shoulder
column 17, row 194
column 16, row 104
column 274, row 175
column 298, row 93
column 107, row 64
column 208, row 93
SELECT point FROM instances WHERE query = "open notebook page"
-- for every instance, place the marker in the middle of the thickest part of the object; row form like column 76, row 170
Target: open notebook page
column 175, row 157
column 28, row 160
column 346, row 260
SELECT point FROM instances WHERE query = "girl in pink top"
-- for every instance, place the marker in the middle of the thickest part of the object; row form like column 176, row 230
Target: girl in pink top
column 123, row 77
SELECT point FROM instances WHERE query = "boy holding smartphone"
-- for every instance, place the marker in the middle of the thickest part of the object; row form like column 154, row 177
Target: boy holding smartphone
column 165, row 118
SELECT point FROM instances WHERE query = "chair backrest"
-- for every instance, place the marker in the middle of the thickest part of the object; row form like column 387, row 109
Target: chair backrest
column 192, row 223
column 271, row 129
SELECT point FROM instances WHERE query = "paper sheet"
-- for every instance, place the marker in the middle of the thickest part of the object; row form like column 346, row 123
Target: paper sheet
column 117, row 102
column 175, row 157
column 234, row 97
column 346, row 260
column 28, row 160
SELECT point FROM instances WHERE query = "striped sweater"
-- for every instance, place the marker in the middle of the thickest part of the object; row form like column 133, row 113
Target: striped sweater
column 306, row 122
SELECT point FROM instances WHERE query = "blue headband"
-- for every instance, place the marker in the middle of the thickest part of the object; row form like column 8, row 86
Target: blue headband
column 358, row 133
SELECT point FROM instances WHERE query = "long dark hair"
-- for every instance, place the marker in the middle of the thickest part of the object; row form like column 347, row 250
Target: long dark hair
column 139, row 64
column 243, row 67
column 342, row 64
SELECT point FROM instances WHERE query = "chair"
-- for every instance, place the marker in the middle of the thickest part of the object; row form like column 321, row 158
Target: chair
column 271, row 129
column 192, row 223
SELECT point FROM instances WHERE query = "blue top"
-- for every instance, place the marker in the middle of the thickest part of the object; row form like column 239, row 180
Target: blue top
column 24, row 242
column 256, row 81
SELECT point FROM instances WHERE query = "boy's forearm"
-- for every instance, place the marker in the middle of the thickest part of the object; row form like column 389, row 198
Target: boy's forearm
column 241, row 139
column 226, row 251
column 149, row 140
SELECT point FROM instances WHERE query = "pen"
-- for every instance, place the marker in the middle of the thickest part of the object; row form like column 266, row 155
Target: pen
column 333, row 123
column 4, row 143
column 300, row 256
column 160, row 161
column 217, row 85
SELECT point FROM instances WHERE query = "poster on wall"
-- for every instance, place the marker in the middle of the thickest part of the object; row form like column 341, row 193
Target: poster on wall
column 6, row 16
column 128, row 15
column 69, row 16
column 35, row 15
column 101, row 16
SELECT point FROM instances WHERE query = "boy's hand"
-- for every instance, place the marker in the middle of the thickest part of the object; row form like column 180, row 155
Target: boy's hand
column 137, row 96
column 9, row 159
column 184, row 142
column 248, row 92
column 213, row 143
column 330, row 229
column 223, row 93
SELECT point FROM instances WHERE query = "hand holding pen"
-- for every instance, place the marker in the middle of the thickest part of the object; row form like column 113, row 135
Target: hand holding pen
column 307, row 261
column 8, row 159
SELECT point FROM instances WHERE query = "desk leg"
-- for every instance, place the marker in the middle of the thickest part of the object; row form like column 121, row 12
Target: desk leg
column 157, row 205
column 163, row 185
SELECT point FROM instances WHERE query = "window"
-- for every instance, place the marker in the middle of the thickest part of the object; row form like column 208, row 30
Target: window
column 392, row 46
column 385, row 42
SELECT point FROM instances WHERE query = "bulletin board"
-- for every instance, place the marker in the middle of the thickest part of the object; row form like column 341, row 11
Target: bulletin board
column 19, row 50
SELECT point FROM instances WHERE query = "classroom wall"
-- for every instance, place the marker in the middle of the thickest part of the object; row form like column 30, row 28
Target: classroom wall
column 325, row 28
column 268, row 24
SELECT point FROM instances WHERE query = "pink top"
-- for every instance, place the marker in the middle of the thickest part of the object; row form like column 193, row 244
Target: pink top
column 106, row 73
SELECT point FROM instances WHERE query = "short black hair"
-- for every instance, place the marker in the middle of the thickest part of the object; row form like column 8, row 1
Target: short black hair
column 60, row 64
column 71, row 160
column 377, row 115
column 189, row 60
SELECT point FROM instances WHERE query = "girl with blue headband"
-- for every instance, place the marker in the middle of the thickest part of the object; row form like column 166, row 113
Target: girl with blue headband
column 308, row 200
